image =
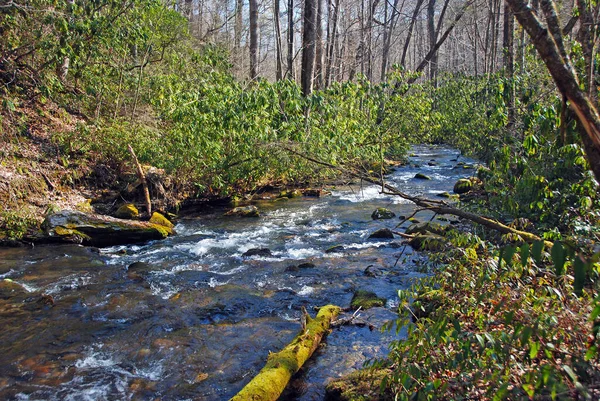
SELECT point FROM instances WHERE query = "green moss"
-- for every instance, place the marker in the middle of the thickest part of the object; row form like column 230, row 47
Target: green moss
column 127, row 211
column 382, row 213
column 421, row 176
column 164, row 231
column 161, row 220
column 366, row 300
column 85, row 206
column 463, row 186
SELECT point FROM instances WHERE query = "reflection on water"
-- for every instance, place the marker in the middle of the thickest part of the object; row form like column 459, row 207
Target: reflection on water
column 198, row 321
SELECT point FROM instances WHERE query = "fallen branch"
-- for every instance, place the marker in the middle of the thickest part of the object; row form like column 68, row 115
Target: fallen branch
column 270, row 382
column 436, row 206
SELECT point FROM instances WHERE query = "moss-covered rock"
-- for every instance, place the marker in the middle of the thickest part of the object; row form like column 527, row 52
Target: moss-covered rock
column 359, row 385
column 290, row 193
column 444, row 194
column 9, row 289
column 95, row 230
column 425, row 228
column 382, row 233
column 127, row 211
column 421, row 176
column 315, row 192
column 263, row 252
column 366, row 300
column 161, row 220
column 244, row 211
column 463, row 186
column 85, row 206
column 382, row 213
column 428, row 242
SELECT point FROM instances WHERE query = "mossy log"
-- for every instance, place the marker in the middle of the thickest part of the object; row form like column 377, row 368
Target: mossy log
column 270, row 382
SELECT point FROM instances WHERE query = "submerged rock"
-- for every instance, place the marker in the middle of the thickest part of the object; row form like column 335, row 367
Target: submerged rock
column 306, row 265
column 421, row 176
column 382, row 233
column 366, row 300
column 244, row 211
column 257, row 252
column 127, row 211
column 382, row 213
column 9, row 289
column 335, row 248
column 463, row 186
column 96, row 230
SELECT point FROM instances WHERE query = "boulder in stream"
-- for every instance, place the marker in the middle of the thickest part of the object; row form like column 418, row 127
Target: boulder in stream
column 382, row 233
column 463, row 186
column 257, row 252
column 382, row 213
column 127, row 211
column 96, row 230
column 427, row 228
column 421, row 176
column 244, row 211
column 428, row 242
column 9, row 289
column 366, row 300
column 335, row 249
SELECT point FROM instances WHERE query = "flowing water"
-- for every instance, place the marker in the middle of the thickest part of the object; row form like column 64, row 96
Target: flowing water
column 199, row 321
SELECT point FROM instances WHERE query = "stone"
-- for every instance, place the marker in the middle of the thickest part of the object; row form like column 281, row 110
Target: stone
column 366, row 300
column 257, row 252
column 425, row 228
column 161, row 220
column 9, row 289
column 335, row 249
column 127, row 211
column 306, row 265
column 382, row 233
column 288, row 193
column 421, row 176
column 373, row 271
column 244, row 211
column 315, row 192
column 463, row 186
column 381, row 213
column 428, row 242
column 95, row 230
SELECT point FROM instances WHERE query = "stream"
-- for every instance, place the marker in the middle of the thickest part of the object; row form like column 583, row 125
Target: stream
column 200, row 319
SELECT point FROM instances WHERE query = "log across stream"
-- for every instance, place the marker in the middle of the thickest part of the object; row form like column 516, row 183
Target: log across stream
column 197, row 319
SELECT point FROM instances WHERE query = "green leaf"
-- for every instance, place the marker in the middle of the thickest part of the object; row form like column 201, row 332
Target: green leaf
column 529, row 389
column 571, row 373
column 524, row 254
column 559, row 256
column 508, row 254
column 534, row 349
column 536, row 250
column 579, row 267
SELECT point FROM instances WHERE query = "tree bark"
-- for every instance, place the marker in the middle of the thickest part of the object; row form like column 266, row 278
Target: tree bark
column 142, row 178
column 253, row 39
column 411, row 28
column 308, row 46
column 319, row 46
column 270, row 382
column 332, row 41
column 552, row 52
column 279, row 51
column 509, row 64
column 290, row 41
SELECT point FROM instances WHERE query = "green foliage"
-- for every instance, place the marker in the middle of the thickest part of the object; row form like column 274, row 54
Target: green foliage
column 14, row 224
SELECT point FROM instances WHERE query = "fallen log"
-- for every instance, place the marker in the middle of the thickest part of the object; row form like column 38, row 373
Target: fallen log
column 436, row 206
column 270, row 382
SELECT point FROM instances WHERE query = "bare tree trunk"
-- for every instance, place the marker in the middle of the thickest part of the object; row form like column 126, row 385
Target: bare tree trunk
column 332, row 40
column 509, row 65
column 387, row 38
column 411, row 28
column 279, row 67
column 253, row 39
column 319, row 46
column 239, row 10
column 290, row 41
column 308, row 46
column 549, row 44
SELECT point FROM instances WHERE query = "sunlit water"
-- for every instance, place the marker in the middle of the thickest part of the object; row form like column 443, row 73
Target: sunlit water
column 201, row 321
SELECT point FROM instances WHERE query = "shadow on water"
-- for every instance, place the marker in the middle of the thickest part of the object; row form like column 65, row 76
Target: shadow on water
column 198, row 319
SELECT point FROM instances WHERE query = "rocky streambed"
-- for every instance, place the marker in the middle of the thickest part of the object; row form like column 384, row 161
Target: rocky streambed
column 194, row 316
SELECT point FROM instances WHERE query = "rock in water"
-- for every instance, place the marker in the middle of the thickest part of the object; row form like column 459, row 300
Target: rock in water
column 427, row 228
column 381, row 213
column 96, row 230
column 257, row 252
column 127, row 211
column 428, row 242
column 382, row 233
column 421, row 176
column 161, row 220
column 244, row 211
column 366, row 300
column 335, row 249
column 463, row 186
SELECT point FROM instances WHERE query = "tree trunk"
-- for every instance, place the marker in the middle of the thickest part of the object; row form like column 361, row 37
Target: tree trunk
column 253, row 39
column 279, row 66
column 270, row 382
column 332, row 41
column 411, row 28
column 237, row 39
column 290, row 41
column 319, row 46
column 509, row 64
column 548, row 42
column 308, row 46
